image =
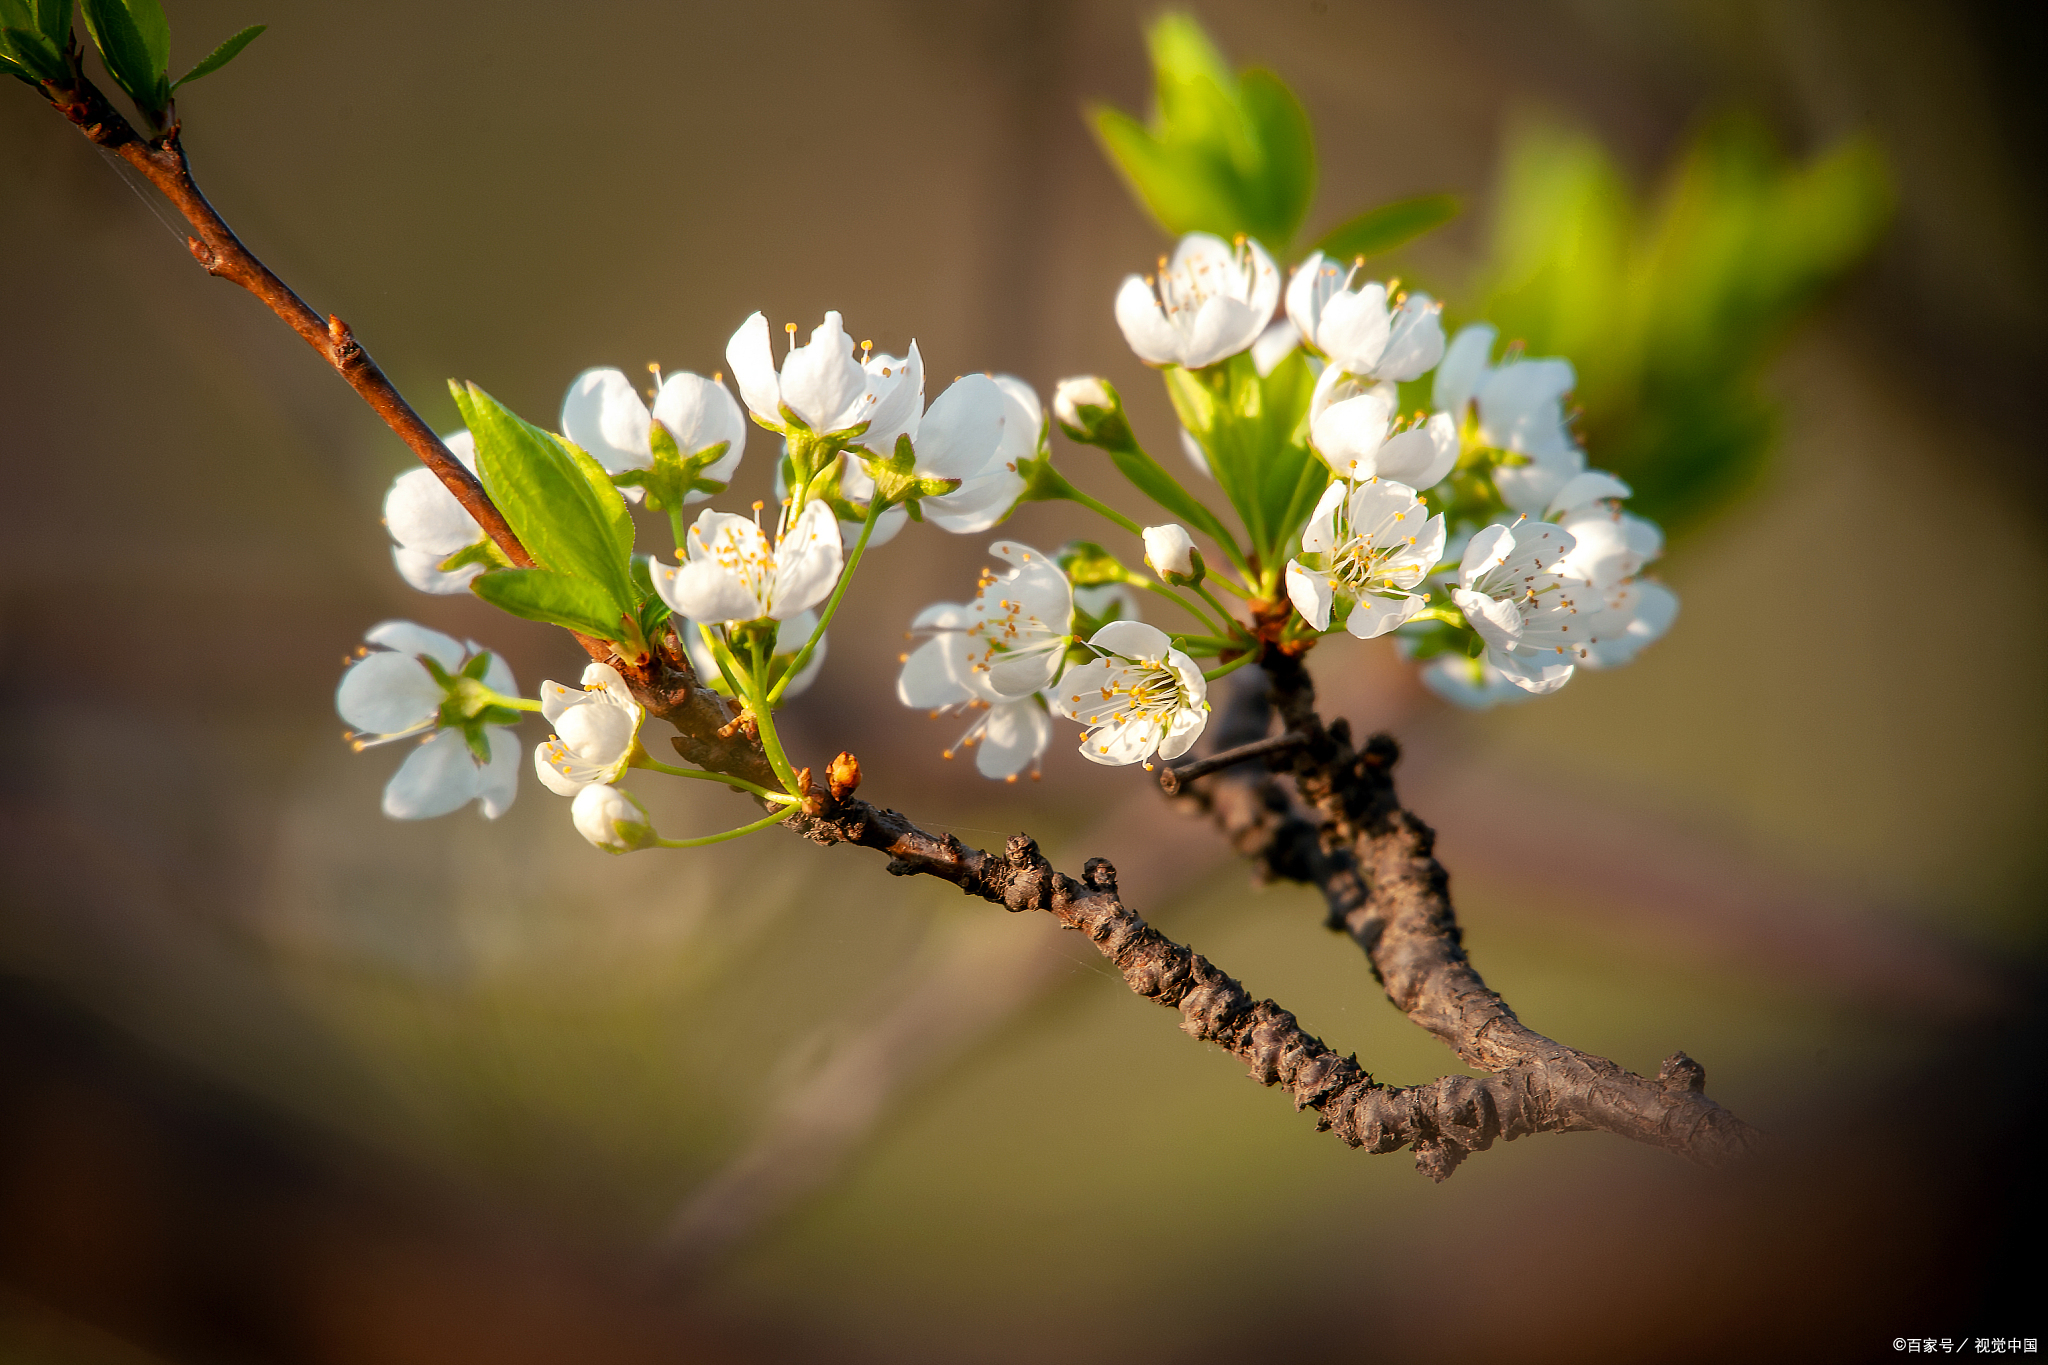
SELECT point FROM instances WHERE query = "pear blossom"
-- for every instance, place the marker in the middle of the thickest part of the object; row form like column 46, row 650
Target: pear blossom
column 603, row 413
column 732, row 571
column 611, row 819
column 1078, row 404
column 429, row 525
column 1520, row 409
column 1355, row 330
column 597, row 731
column 790, row 636
column 821, row 390
column 419, row 683
column 1365, row 550
column 949, row 673
column 1611, row 550
column 1535, row 618
column 1140, row 699
column 1209, row 302
column 963, row 439
column 1171, row 552
column 1019, row 621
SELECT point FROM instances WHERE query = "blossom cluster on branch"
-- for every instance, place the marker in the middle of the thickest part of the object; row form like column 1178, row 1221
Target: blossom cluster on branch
column 1380, row 480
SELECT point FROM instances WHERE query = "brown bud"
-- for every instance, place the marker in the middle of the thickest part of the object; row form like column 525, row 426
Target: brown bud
column 843, row 777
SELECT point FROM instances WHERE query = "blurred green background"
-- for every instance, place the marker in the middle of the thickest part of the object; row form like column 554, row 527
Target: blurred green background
column 284, row 1080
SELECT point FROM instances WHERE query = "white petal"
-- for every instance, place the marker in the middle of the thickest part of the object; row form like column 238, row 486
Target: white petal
column 1580, row 489
column 1222, row 327
column 821, row 381
column 897, row 389
column 1420, row 457
column 1348, row 434
column 1355, row 327
column 1315, row 281
column 806, row 563
column 1487, row 548
column 387, row 694
column 1498, row 623
column 423, row 571
column 437, row 777
column 1274, row 345
column 497, row 673
column 1192, row 448
column 703, row 591
column 1374, row 615
column 1319, row 537
column 978, row 503
column 603, row 413
column 1012, row 738
column 962, row 430
column 753, row 369
column 408, row 637
column 1132, row 640
column 1144, row 324
column 1539, row 674
column 1417, row 342
column 1023, row 420
column 1311, row 592
column 497, row 782
column 1181, row 734
column 1463, row 367
column 699, row 414
column 1118, row 746
column 422, row 514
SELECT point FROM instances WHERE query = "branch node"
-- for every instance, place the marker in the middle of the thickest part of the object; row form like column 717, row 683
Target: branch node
column 1682, row 1073
column 842, row 778
column 1100, row 875
column 346, row 351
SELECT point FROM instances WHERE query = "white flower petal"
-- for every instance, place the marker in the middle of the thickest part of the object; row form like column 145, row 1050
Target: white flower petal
column 1144, row 324
column 1374, row 615
column 753, row 369
column 1422, row 456
column 806, row 563
column 387, row 694
column 962, row 430
column 1311, row 592
column 603, row 413
column 408, row 637
column 497, row 782
column 423, row 515
column 1463, row 367
column 423, row 571
column 1222, row 328
column 1013, row 737
column 821, row 381
column 437, row 777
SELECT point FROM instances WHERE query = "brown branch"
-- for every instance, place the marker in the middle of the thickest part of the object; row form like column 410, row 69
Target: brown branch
column 162, row 161
column 1372, row 859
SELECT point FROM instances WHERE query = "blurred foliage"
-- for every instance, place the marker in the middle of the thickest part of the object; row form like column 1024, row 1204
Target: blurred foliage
column 1670, row 313
column 1234, row 153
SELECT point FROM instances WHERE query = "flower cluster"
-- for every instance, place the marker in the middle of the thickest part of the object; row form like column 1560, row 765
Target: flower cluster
column 1470, row 530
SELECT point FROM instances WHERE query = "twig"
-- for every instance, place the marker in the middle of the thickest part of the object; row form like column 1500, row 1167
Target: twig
column 1171, row 780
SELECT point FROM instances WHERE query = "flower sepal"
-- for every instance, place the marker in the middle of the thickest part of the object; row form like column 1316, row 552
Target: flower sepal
column 674, row 476
column 897, row 480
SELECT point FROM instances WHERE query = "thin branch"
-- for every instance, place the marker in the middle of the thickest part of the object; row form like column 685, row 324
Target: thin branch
column 1171, row 780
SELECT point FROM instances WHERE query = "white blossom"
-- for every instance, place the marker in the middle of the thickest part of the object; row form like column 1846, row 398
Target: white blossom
column 1142, row 698
column 1280, row 340
column 790, row 636
column 603, row 413
column 1520, row 409
column 1353, row 327
column 963, row 436
column 1170, row 550
column 597, row 730
column 949, row 672
column 392, row 693
column 429, row 525
column 821, row 389
column 1365, row 550
column 611, row 819
column 1209, row 302
column 1611, row 550
column 1017, row 626
column 734, row 573
column 1072, row 398
column 1536, row 620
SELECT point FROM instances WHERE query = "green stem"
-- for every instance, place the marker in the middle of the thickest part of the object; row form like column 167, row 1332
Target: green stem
column 675, row 526
column 796, row 666
column 1221, row 611
column 1204, row 644
column 761, row 824
column 722, row 655
column 1220, row 581
column 643, row 759
column 1189, row 607
column 1239, row 662
column 764, row 724
column 511, row 703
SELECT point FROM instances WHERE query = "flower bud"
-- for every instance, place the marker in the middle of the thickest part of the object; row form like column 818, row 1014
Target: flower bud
column 1090, row 411
column 1171, row 552
column 611, row 819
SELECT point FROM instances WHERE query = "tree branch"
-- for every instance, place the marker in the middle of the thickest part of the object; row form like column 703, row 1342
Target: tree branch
column 1372, row 859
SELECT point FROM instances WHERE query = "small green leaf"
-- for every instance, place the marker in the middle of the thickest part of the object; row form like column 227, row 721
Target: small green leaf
column 135, row 40
column 617, row 519
column 29, row 55
column 1378, row 231
column 53, row 21
column 1287, row 151
column 221, row 56
column 547, row 497
column 558, row 599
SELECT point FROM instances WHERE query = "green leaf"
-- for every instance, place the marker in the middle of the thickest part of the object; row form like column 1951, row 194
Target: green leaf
column 1378, row 231
column 548, row 498
column 1287, row 149
column 1155, row 483
column 1224, row 153
column 556, row 598
column 1254, row 430
column 135, row 40
column 617, row 519
column 30, row 56
column 221, row 56
column 53, row 21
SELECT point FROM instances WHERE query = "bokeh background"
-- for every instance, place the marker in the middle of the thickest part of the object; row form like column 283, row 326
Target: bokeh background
column 281, row 1080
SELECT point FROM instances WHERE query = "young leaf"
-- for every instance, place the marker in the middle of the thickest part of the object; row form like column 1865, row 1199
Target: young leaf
column 546, row 497
column 53, row 21
column 221, row 56
column 1378, row 231
column 135, row 40
column 1287, row 154
column 29, row 55
column 617, row 519
column 543, row 595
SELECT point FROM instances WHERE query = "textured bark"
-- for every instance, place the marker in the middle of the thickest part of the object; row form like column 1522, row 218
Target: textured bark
column 1373, row 860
